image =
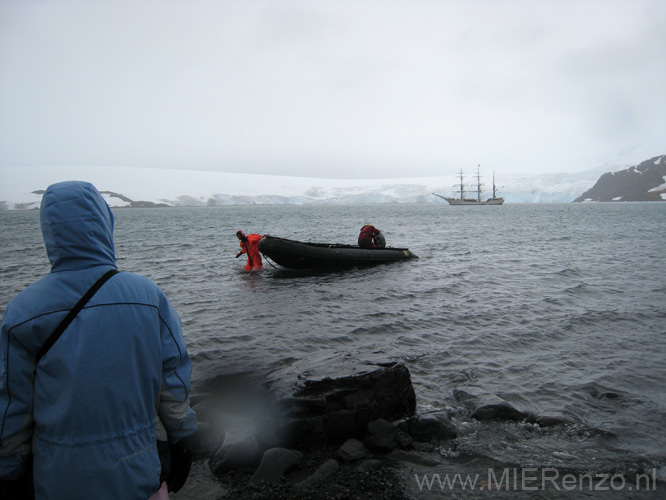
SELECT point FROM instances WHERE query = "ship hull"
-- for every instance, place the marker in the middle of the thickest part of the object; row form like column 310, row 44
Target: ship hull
column 489, row 201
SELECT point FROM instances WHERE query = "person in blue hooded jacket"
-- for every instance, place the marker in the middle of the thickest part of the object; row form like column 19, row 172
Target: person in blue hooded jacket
column 86, row 421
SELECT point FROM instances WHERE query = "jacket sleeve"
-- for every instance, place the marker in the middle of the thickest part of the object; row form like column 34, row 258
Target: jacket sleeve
column 16, row 422
column 174, row 406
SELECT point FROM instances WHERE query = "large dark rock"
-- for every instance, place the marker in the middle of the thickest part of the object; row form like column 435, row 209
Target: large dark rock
column 333, row 410
column 489, row 407
column 639, row 183
column 499, row 411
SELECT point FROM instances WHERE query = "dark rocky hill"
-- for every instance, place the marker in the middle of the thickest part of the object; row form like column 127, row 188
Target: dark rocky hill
column 645, row 182
column 130, row 203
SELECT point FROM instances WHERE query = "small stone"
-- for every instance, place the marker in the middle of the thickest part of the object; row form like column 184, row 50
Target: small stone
column 368, row 465
column 412, row 458
column 424, row 447
column 381, row 435
column 239, row 449
column 463, row 396
column 351, row 450
column 325, row 470
column 426, row 428
column 275, row 463
column 381, row 426
column 404, row 439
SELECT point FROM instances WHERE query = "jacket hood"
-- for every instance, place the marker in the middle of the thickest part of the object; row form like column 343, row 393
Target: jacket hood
column 77, row 226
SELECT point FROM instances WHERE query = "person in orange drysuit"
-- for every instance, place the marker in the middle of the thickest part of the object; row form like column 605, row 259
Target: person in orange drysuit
column 250, row 245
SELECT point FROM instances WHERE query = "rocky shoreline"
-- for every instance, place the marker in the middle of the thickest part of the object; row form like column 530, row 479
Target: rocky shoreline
column 345, row 438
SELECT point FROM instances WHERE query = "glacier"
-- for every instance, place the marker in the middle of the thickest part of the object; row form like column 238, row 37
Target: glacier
column 21, row 187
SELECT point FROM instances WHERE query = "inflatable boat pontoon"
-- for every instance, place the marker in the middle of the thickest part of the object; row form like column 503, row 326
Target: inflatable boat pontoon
column 300, row 255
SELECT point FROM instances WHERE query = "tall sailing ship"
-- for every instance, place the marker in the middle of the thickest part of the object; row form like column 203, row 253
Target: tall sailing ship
column 495, row 200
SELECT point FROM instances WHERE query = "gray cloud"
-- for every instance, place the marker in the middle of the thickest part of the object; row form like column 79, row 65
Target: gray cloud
column 352, row 89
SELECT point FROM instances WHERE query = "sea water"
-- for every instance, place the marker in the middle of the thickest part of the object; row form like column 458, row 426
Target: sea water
column 559, row 310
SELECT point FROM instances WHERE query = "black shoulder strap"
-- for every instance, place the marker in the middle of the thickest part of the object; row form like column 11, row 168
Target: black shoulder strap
column 72, row 314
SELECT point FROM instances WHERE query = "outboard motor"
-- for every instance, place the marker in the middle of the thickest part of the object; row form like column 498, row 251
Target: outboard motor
column 379, row 240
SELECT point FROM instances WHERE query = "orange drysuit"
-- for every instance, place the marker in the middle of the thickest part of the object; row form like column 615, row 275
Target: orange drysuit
column 250, row 246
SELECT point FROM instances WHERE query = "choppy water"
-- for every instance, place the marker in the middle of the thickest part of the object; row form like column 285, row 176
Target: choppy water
column 557, row 309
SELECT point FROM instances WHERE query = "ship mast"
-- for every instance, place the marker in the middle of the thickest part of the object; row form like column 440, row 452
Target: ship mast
column 462, row 188
column 494, row 191
column 478, row 183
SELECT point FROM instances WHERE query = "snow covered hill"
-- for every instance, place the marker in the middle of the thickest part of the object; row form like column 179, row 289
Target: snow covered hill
column 21, row 187
column 644, row 182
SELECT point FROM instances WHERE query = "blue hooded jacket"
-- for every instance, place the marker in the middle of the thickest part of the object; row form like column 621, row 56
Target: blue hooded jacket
column 117, row 379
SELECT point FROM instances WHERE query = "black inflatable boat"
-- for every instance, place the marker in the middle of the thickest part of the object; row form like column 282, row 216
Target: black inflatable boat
column 299, row 255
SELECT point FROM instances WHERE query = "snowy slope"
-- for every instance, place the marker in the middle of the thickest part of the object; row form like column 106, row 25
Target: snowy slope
column 197, row 188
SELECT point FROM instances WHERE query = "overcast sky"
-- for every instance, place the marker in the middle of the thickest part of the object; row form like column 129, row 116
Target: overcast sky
column 333, row 88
